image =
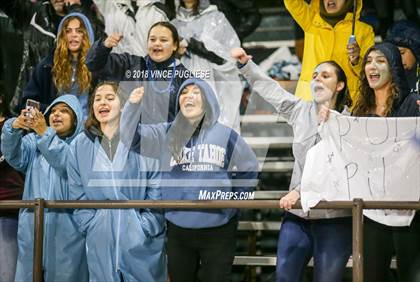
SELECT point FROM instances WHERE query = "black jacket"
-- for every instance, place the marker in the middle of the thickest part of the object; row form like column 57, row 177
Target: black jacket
column 39, row 23
column 405, row 104
column 41, row 87
column 407, row 34
column 161, row 86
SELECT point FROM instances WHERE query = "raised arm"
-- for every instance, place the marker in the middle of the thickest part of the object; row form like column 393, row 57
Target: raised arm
column 301, row 12
column 146, row 139
column 284, row 102
column 105, row 65
column 18, row 150
column 55, row 150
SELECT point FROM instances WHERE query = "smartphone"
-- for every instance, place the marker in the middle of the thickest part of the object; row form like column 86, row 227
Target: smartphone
column 352, row 39
column 31, row 105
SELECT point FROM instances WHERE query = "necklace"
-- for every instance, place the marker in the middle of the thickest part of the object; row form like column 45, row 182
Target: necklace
column 170, row 87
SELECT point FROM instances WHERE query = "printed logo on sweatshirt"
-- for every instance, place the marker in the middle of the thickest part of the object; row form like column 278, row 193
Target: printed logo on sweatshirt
column 201, row 158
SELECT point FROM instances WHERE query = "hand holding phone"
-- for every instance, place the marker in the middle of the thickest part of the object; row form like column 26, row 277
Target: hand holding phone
column 353, row 50
column 31, row 105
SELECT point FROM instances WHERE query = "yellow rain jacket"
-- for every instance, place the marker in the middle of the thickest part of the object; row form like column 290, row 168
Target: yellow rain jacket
column 324, row 42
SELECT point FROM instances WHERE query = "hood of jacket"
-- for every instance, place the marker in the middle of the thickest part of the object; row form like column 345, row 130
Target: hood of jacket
column 85, row 21
column 74, row 104
column 393, row 57
column 211, row 104
column 405, row 34
column 186, row 14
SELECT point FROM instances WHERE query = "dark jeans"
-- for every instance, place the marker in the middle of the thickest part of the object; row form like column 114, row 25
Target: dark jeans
column 204, row 255
column 382, row 242
column 328, row 241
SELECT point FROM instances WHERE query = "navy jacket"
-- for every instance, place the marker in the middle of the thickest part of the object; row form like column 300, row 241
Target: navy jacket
column 405, row 104
column 161, row 79
column 407, row 34
column 41, row 86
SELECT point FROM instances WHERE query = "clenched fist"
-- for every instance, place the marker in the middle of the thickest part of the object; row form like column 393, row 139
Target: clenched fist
column 113, row 40
column 136, row 95
column 240, row 55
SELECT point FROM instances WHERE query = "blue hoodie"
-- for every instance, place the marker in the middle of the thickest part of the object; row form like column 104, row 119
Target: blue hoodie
column 124, row 242
column 41, row 86
column 215, row 158
column 43, row 159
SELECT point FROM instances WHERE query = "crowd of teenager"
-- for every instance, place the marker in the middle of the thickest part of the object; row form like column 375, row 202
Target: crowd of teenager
column 139, row 100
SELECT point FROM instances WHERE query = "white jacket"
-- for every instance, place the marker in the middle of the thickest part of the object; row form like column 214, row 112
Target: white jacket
column 211, row 27
column 120, row 18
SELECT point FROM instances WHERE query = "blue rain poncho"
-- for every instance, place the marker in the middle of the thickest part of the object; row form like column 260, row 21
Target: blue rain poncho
column 43, row 160
column 127, row 243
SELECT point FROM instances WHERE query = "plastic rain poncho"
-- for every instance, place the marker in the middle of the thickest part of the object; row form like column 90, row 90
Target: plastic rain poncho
column 120, row 18
column 43, row 160
column 212, row 28
column 127, row 243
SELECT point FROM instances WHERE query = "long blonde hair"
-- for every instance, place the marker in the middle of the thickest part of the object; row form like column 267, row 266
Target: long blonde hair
column 62, row 67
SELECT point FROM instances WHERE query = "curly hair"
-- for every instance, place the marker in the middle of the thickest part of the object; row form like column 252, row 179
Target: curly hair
column 62, row 67
column 366, row 101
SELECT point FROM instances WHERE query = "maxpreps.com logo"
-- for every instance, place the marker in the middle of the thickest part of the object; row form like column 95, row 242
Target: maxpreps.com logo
column 225, row 195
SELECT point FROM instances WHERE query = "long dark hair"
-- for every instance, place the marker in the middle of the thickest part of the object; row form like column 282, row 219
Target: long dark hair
column 172, row 29
column 343, row 97
column 91, row 121
column 181, row 130
column 366, row 102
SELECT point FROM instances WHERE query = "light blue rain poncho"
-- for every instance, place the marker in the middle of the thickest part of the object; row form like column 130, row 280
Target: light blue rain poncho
column 122, row 244
column 211, row 27
column 43, row 160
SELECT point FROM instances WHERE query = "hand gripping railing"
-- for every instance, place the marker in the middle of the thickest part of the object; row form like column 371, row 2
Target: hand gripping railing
column 357, row 206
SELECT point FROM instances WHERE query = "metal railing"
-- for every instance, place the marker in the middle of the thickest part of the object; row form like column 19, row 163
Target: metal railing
column 357, row 206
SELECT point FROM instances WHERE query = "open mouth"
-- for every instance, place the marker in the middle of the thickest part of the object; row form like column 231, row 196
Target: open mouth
column 157, row 50
column 57, row 122
column 74, row 42
column 189, row 104
column 331, row 5
column 374, row 77
column 104, row 111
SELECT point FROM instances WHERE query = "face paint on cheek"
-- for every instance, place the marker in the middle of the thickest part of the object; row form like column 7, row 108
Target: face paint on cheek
column 384, row 72
column 320, row 92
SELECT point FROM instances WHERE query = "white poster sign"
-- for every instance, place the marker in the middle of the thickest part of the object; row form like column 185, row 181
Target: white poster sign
column 376, row 159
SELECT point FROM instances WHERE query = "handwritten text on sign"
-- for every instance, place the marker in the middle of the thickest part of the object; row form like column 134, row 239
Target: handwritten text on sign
column 368, row 158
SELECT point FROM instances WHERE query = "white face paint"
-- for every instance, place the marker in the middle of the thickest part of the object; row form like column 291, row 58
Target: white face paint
column 324, row 83
column 377, row 70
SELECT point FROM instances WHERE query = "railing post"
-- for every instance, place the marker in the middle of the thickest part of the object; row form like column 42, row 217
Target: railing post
column 357, row 240
column 38, row 239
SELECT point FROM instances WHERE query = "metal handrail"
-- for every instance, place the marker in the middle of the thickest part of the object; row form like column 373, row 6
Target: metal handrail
column 357, row 206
